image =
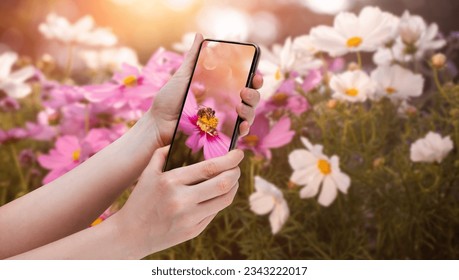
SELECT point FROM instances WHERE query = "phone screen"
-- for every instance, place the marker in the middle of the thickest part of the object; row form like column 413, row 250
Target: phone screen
column 207, row 125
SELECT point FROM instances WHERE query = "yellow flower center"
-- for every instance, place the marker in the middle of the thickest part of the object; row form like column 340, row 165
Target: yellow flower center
column 278, row 75
column 76, row 155
column 207, row 121
column 130, row 81
column 280, row 98
column 251, row 140
column 352, row 91
column 324, row 166
column 354, row 42
column 390, row 90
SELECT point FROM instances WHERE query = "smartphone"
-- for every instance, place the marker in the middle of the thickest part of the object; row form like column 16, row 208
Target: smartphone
column 208, row 122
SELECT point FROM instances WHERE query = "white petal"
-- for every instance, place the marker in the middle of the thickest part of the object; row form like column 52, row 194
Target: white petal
column 23, row 74
column 342, row 180
column 279, row 216
column 6, row 62
column 261, row 203
column 312, row 188
column 301, row 176
column 16, row 90
column 328, row 193
column 300, row 159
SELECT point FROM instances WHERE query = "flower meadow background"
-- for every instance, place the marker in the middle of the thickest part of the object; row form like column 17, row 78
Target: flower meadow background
column 354, row 150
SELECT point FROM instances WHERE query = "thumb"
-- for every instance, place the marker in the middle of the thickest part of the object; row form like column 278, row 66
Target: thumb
column 157, row 161
column 185, row 70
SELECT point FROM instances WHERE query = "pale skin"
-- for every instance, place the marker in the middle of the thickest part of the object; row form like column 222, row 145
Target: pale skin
column 165, row 208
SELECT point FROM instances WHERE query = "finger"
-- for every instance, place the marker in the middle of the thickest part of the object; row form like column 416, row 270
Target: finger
column 217, row 204
column 250, row 96
column 244, row 129
column 198, row 172
column 257, row 81
column 157, row 160
column 188, row 64
column 246, row 112
column 217, row 186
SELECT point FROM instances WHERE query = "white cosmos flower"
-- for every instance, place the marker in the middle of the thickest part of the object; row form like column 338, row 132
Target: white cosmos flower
column 388, row 56
column 277, row 64
column 431, row 148
column 396, row 83
column 109, row 58
column 415, row 38
column 13, row 83
column 311, row 169
column 269, row 199
column 351, row 33
column 81, row 32
column 352, row 86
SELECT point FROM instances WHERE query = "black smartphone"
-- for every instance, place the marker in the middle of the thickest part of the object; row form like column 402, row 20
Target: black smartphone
column 208, row 122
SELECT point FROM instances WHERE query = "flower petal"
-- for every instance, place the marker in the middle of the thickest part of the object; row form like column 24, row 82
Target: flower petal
column 312, row 188
column 279, row 216
column 300, row 159
column 328, row 193
column 6, row 62
column 215, row 146
column 261, row 203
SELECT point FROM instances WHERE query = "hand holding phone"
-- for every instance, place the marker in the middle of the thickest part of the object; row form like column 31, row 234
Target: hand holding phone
column 208, row 122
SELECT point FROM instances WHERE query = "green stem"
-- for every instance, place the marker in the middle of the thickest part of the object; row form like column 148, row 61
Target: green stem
column 3, row 193
column 22, row 181
column 68, row 66
column 359, row 59
column 438, row 84
column 86, row 118
column 251, row 176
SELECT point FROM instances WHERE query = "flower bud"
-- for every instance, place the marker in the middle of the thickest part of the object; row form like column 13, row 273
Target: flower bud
column 438, row 60
column 378, row 162
column 331, row 104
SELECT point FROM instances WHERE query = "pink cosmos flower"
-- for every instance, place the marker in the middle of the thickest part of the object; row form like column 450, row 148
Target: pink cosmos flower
column 312, row 80
column 262, row 137
column 70, row 151
column 203, row 126
column 62, row 95
column 13, row 134
column 286, row 99
column 162, row 61
column 129, row 90
column 9, row 104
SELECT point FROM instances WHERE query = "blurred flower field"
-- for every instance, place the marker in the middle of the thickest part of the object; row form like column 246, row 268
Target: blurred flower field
column 345, row 159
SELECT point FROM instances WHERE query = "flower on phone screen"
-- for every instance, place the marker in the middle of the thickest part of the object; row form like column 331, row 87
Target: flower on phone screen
column 203, row 124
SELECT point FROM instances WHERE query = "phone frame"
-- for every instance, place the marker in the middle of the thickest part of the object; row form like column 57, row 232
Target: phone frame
column 248, row 84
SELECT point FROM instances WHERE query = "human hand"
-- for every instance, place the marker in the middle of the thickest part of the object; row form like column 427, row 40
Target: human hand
column 166, row 108
column 171, row 207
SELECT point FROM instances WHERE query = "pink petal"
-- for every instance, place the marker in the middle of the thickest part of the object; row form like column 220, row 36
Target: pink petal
column 260, row 126
column 216, row 146
column 67, row 144
column 188, row 125
column 313, row 79
column 194, row 142
column 279, row 134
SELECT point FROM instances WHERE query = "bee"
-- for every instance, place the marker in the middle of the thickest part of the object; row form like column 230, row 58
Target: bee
column 207, row 120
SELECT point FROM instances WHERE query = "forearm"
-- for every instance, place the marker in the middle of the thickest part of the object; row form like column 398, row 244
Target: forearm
column 104, row 241
column 71, row 202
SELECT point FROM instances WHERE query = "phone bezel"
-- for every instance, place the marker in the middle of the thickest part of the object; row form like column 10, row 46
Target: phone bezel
column 248, row 83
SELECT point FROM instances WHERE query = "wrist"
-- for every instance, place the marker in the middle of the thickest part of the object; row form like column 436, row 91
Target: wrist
column 146, row 132
column 127, row 236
